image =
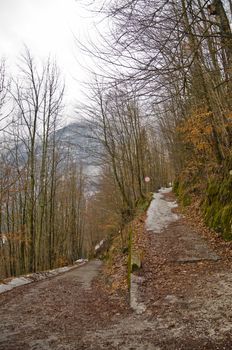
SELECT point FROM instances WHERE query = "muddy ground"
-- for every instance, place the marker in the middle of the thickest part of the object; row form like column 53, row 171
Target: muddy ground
column 185, row 288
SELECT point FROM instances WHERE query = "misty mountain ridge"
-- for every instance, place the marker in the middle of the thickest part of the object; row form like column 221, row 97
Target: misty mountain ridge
column 75, row 141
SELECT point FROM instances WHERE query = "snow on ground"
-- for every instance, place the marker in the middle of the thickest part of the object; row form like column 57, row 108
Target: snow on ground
column 81, row 261
column 61, row 269
column 5, row 288
column 37, row 276
column 19, row 281
column 15, row 282
column 98, row 246
column 159, row 214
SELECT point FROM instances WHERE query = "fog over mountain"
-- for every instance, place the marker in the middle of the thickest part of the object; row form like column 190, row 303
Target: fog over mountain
column 77, row 140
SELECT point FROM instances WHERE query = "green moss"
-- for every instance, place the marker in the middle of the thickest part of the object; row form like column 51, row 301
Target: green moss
column 182, row 191
column 185, row 199
column 143, row 203
column 217, row 206
column 216, row 194
column 136, row 261
column 129, row 257
column 225, row 191
column 226, row 219
column 212, row 190
column 175, row 187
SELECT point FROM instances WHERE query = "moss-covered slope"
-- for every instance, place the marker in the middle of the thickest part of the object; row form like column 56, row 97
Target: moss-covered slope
column 216, row 199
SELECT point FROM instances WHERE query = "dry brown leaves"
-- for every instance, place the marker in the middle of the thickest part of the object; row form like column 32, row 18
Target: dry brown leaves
column 114, row 271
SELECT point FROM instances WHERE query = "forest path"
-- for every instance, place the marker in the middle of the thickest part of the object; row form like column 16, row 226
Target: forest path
column 183, row 292
column 185, row 288
column 53, row 313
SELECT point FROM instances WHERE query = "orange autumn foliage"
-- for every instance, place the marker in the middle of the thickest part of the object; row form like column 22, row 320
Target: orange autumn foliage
column 196, row 131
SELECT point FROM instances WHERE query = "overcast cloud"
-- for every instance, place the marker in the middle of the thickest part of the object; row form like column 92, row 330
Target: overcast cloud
column 46, row 27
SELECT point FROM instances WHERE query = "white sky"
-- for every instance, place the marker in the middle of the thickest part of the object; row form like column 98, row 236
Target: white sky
column 47, row 27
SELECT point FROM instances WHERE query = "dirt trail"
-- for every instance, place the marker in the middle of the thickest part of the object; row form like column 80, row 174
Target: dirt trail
column 186, row 289
column 55, row 313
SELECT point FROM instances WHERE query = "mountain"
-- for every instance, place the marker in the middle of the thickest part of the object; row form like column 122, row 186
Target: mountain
column 77, row 140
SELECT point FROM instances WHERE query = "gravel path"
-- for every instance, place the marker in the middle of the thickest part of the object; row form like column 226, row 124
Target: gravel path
column 185, row 288
column 55, row 313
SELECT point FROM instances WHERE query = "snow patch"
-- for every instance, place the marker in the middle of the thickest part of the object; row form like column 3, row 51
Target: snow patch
column 37, row 276
column 15, row 282
column 165, row 190
column 61, row 269
column 19, row 281
column 137, row 306
column 159, row 214
column 3, row 240
column 5, row 288
column 80, row 261
column 98, row 246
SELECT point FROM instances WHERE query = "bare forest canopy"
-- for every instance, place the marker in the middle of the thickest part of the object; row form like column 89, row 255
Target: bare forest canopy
column 160, row 107
column 175, row 58
column 63, row 189
column 41, row 188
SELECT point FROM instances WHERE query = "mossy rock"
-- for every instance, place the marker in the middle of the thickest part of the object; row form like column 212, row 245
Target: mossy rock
column 175, row 187
column 136, row 262
column 217, row 207
column 182, row 190
column 213, row 188
column 184, row 197
column 143, row 203
column 226, row 219
column 186, row 200
column 215, row 193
